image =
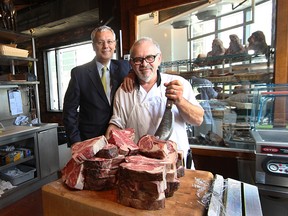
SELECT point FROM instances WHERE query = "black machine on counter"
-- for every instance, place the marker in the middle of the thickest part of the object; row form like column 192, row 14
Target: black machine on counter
column 269, row 121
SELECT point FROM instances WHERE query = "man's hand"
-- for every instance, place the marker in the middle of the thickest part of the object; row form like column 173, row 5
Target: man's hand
column 192, row 114
column 128, row 83
column 111, row 127
column 174, row 91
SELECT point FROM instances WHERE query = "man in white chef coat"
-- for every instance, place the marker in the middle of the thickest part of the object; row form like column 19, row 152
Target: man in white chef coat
column 143, row 108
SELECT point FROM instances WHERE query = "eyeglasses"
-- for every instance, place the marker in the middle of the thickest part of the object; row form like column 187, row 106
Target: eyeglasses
column 102, row 42
column 148, row 59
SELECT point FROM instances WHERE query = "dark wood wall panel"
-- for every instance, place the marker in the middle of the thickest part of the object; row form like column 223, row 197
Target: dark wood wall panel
column 281, row 63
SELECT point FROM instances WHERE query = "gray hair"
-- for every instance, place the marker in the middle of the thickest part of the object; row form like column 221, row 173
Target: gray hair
column 101, row 29
column 143, row 39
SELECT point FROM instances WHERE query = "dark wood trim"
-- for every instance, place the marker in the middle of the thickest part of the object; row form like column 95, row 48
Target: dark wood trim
column 132, row 9
column 222, row 153
column 281, row 61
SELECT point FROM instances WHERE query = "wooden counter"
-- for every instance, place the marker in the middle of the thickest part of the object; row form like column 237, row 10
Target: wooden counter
column 60, row 200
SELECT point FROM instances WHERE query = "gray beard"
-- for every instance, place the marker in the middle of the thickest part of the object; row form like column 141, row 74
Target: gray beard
column 145, row 79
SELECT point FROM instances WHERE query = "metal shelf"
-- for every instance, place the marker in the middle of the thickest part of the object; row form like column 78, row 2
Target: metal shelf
column 15, row 60
column 7, row 37
column 17, row 162
column 19, row 82
column 10, row 36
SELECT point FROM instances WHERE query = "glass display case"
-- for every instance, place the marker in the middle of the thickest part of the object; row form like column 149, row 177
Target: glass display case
column 270, row 107
column 224, row 87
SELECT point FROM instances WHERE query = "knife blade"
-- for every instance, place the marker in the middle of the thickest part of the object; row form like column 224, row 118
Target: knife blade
column 165, row 127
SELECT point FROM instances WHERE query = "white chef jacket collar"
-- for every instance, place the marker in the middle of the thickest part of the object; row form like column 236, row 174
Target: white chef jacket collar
column 158, row 80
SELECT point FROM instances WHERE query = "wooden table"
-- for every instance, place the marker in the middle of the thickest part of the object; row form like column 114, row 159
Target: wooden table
column 60, row 200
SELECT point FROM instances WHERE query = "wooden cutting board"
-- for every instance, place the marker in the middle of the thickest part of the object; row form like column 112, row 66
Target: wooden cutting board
column 60, row 200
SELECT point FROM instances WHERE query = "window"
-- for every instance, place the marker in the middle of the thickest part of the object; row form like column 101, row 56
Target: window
column 60, row 61
column 202, row 33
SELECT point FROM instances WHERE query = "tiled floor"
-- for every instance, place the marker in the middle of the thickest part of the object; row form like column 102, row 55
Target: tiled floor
column 30, row 205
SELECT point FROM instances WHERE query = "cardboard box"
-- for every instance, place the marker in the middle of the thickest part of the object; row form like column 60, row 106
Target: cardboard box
column 12, row 51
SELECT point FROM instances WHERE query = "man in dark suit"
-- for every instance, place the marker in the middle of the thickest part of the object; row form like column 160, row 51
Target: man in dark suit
column 90, row 93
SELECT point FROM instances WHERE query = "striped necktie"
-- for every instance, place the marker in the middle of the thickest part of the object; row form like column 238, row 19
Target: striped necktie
column 103, row 78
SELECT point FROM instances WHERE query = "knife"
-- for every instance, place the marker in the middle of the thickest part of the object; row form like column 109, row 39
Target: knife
column 165, row 128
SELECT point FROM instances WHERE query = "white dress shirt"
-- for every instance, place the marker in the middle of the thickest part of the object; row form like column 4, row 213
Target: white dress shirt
column 99, row 67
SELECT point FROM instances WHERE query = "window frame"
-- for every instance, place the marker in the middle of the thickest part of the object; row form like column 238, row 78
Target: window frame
column 249, row 18
column 48, row 79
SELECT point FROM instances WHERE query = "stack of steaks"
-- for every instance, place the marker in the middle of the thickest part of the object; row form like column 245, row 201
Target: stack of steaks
column 100, row 171
column 94, row 163
column 72, row 173
column 143, row 174
column 141, row 185
column 147, row 179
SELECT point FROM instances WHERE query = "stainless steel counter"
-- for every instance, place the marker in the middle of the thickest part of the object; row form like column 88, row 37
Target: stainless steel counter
column 42, row 139
column 11, row 131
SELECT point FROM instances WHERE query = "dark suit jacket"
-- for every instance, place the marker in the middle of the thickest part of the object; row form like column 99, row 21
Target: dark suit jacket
column 86, row 91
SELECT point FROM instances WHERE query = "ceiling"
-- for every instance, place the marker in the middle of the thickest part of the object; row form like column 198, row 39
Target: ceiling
column 46, row 17
column 22, row 5
column 198, row 11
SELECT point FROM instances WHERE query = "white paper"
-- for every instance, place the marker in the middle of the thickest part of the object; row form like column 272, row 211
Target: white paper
column 15, row 102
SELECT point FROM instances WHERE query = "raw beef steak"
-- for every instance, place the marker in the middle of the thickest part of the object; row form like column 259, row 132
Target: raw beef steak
column 123, row 139
column 172, row 187
column 72, row 175
column 87, row 149
column 108, row 151
column 140, row 159
column 96, row 162
column 142, row 172
column 141, row 190
column 152, row 147
column 108, row 183
column 140, row 204
column 117, row 161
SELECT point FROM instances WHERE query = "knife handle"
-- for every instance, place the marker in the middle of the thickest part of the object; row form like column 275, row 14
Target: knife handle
column 169, row 104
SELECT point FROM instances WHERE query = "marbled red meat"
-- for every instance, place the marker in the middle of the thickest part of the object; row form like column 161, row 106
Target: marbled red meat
column 87, row 149
column 142, row 172
column 140, row 204
column 152, row 147
column 172, row 187
column 99, row 184
column 140, row 159
column 124, row 140
column 72, row 175
column 96, row 162
column 108, row 151
column 117, row 160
